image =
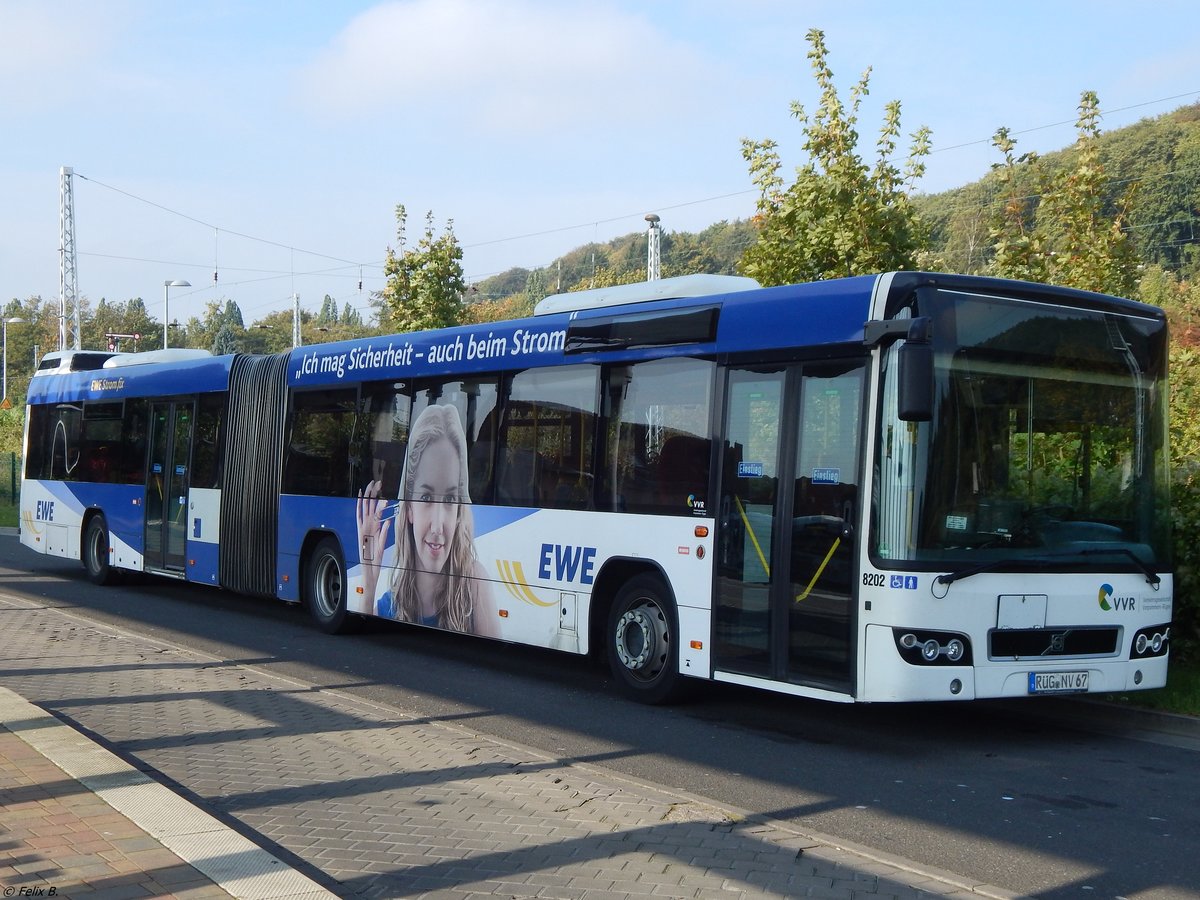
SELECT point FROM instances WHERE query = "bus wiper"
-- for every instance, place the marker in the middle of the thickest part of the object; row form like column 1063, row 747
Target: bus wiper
column 1152, row 577
column 990, row 566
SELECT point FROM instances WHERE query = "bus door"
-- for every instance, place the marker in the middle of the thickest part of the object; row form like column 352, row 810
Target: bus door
column 167, row 483
column 789, row 494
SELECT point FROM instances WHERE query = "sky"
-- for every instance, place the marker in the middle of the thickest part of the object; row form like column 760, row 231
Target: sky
column 270, row 142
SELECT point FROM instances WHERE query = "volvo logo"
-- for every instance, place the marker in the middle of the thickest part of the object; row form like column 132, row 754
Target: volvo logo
column 1058, row 642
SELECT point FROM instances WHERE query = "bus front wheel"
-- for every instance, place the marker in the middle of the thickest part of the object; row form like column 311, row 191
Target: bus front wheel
column 95, row 552
column 642, row 637
column 325, row 588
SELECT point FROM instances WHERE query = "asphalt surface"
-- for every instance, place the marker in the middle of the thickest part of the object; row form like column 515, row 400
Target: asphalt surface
column 1023, row 798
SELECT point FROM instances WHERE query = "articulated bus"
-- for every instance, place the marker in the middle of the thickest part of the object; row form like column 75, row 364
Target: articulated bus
column 900, row 487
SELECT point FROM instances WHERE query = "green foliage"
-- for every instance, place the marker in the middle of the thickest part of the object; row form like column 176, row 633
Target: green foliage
column 1181, row 301
column 329, row 312
column 840, row 216
column 1019, row 248
column 535, row 289
column 225, row 341
column 12, row 431
column 1160, row 157
column 1070, row 234
column 425, row 284
column 715, row 250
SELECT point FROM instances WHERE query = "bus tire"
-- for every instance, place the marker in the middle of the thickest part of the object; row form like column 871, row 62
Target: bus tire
column 95, row 552
column 642, row 635
column 325, row 588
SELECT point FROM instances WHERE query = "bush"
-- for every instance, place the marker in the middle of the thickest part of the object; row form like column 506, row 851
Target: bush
column 1181, row 300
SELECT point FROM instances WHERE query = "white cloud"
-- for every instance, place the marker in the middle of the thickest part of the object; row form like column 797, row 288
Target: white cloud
column 522, row 65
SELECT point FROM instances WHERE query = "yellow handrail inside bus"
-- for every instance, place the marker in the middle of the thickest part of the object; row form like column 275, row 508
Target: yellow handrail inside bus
column 821, row 568
column 753, row 538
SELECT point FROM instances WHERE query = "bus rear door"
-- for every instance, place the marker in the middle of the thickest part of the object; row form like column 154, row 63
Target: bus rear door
column 167, row 484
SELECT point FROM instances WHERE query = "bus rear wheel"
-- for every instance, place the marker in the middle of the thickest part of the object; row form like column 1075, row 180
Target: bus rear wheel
column 325, row 588
column 642, row 635
column 95, row 552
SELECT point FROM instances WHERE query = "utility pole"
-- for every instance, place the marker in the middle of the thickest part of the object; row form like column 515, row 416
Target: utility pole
column 295, row 320
column 68, row 283
column 653, row 249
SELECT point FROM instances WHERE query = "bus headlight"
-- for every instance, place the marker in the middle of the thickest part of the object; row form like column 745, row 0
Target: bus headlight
column 1152, row 641
column 932, row 648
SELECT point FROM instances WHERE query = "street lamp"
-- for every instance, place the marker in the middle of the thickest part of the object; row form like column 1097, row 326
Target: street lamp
column 10, row 320
column 167, row 285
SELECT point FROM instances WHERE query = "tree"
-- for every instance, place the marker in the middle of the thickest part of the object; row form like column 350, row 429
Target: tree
column 329, row 312
column 225, row 341
column 839, row 217
column 535, row 289
column 1019, row 248
column 425, row 284
column 232, row 316
column 1075, row 236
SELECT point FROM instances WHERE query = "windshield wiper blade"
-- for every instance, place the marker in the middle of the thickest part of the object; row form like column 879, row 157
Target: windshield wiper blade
column 1152, row 577
column 990, row 566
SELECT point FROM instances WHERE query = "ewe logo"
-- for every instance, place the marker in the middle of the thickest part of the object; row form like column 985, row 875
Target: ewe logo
column 1105, row 595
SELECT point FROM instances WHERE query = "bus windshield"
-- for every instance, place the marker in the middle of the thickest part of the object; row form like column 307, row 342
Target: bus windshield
column 1048, row 439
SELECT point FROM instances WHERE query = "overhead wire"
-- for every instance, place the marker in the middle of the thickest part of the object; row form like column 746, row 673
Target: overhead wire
column 594, row 224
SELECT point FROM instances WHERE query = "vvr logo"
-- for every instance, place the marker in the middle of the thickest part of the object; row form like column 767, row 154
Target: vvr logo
column 45, row 510
column 1108, row 602
column 568, row 563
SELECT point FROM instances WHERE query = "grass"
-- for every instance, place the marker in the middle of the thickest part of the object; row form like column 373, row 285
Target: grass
column 8, row 514
column 1181, row 695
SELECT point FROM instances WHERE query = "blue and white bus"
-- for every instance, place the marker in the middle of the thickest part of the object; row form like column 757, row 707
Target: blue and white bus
column 901, row 487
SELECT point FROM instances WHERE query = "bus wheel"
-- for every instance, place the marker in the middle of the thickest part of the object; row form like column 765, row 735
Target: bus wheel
column 642, row 633
column 95, row 552
column 325, row 588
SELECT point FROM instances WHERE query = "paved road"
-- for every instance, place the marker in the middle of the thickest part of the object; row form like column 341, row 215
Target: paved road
column 997, row 796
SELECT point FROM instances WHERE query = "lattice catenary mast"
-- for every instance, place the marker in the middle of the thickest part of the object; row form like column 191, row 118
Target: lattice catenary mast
column 653, row 251
column 68, row 284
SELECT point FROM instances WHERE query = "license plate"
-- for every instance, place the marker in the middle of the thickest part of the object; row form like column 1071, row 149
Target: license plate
column 1058, row 682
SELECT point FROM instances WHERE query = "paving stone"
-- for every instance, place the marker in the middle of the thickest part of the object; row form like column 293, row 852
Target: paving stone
column 390, row 805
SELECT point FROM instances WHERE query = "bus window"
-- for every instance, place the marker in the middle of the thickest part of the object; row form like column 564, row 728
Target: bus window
column 206, row 442
column 100, row 442
column 545, row 457
column 657, row 442
column 37, row 450
column 383, row 433
column 64, row 442
column 476, row 402
column 318, row 458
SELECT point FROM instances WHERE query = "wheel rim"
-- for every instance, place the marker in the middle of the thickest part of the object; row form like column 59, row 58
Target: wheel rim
column 642, row 640
column 97, row 551
column 327, row 586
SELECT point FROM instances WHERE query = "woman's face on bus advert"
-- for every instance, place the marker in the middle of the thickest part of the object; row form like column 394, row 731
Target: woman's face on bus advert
column 433, row 509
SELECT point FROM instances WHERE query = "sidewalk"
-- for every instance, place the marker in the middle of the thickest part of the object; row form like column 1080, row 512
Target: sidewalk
column 364, row 800
column 76, row 821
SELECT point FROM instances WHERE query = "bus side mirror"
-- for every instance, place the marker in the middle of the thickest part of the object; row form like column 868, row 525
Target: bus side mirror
column 915, row 381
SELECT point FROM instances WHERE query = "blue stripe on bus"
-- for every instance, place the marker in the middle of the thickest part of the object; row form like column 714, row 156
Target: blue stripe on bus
column 149, row 380
column 768, row 319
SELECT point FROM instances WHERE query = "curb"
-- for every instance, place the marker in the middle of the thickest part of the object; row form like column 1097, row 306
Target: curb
column 235, row 864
